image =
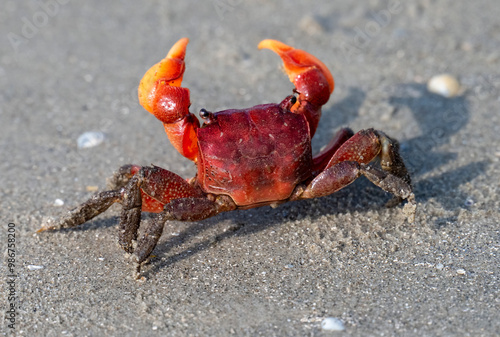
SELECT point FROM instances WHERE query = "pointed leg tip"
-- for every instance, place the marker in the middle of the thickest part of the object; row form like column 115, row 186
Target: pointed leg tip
column 410, row 209
column 45, row 228
column 47, row 225
column 137, row 273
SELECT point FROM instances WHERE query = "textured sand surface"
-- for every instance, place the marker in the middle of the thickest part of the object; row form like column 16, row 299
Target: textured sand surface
column 75, row 67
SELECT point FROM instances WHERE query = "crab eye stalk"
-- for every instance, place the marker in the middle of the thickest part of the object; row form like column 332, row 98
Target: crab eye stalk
column 207, row 116
column 289, row 102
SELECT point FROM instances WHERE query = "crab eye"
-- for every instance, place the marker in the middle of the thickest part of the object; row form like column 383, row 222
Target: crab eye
column 205, row 114
column 293, row 100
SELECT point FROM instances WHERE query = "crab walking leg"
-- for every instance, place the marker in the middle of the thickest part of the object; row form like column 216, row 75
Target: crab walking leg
column 161, row 94
column 390, row 159
column 98, row 203
column 344, row 173
column 91, row 208
column 323, row 157
column 365, row 145
column 352, row 160
column 130, row 218
column 149, row 190
column 312, row 79
column 183, row 209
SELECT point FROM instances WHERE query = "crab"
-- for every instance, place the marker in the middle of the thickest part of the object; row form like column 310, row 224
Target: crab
column 245, row 158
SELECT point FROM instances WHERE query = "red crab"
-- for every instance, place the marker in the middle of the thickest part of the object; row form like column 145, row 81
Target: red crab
column 245, row 157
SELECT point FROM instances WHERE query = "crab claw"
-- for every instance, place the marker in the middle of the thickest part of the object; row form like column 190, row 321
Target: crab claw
column 159, row 90
column 312, row 79
column 310, row 76
column 161, row 94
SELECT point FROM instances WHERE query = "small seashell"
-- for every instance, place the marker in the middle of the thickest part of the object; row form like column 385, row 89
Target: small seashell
column 58, row 202
column 332, row 324
column 90, row 139
column 444, row 85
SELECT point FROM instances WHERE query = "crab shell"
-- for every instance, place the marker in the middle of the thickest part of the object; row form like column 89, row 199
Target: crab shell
column 254, row 155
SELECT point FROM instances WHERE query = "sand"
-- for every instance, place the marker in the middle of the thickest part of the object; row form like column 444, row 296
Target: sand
column 70, row 67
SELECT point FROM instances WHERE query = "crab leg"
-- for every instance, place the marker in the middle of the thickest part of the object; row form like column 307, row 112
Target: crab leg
column 183, row 209
column 353, row 159
column 312, row 79
column 138, row 189
column 149, row 190
column 98, row 203
column 161, row 94
column 154, row 189
column 91, row 208
column 321, row 159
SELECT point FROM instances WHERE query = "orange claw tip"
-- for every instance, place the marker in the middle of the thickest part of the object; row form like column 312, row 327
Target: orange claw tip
column 170, row 70
column 178, row 50
column 296, row 61
column 274, row 45
column 171, row 67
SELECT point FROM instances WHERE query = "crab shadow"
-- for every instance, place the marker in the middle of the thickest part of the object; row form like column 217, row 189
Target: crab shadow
column 438, row 119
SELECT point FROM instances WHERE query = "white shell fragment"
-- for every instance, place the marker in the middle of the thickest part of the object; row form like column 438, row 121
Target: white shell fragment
column 332, row 324
column 34, row 267
column 58, row 202
column 444, row 85
column 90, row 139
